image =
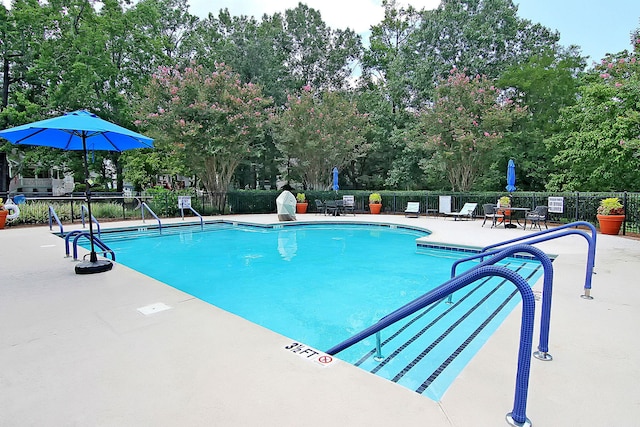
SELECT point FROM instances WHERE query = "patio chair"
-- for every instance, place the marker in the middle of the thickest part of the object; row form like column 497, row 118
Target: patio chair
column 321, row 207
column 349, row 204
column 536, row 216
column 466, row 211
column 491, row 212
column 412, row 210
column 331, row 207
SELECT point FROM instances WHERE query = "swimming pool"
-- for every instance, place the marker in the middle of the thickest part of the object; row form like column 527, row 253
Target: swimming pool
column 319, row 284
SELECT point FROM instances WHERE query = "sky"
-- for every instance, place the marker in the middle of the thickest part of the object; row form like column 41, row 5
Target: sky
column 597, row 26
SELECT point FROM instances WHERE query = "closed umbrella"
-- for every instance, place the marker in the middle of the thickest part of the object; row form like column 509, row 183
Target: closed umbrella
column 511, row 185
column 334, row 185
column 511, row 176
column 79, row 130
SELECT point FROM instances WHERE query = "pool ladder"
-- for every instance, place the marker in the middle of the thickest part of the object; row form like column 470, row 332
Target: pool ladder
column 517, row 417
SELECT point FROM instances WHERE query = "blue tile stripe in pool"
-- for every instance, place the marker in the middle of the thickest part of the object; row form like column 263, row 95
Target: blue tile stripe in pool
column 503, row 305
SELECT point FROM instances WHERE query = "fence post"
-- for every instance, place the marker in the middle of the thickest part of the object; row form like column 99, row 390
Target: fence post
column 577, row 210
column 624, row 223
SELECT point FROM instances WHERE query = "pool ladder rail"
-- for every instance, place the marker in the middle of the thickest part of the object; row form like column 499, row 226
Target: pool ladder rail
column 144, row 206
column 77, row 234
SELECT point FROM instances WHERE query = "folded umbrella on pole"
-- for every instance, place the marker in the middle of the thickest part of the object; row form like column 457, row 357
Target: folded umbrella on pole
column 79, row 130
column 334, row 185
column 511, row 176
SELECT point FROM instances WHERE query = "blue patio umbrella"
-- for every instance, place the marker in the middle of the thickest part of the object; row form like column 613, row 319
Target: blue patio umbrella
column 511, row 176
column 335, row 186
column 79, row 130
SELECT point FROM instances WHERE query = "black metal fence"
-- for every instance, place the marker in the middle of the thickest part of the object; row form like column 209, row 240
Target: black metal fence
column 574, row 206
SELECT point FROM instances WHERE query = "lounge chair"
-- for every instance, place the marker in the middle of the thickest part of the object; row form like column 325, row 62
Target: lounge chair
column 536, row 216
column 466, row 211
column 491, row 212
column 349, row 204
column 444, row 204
column 412, row 210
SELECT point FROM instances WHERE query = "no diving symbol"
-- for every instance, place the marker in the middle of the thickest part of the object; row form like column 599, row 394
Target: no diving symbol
column 325, row 359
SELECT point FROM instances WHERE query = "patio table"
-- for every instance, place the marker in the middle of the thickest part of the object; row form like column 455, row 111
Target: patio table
column 513, row 213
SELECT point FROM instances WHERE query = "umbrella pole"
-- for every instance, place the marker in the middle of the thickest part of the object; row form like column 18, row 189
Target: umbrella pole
column 87, row 193
column 93, row 266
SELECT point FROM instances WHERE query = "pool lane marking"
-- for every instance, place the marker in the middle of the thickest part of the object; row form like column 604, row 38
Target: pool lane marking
column 459, row 350
column 454, row 325
column 308, row 353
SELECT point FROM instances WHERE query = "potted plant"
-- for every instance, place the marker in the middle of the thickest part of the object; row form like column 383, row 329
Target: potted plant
column 301, row 203
column 3, row 214
column 610, row 215
column 505, row 202
column 375, row 203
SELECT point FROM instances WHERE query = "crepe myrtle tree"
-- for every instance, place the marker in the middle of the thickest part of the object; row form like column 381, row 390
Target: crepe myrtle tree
column 207, row 119
column 316, row 132
column 464, row 126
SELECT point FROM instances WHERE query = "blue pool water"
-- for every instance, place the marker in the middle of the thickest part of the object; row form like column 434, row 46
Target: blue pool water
column 320, row 284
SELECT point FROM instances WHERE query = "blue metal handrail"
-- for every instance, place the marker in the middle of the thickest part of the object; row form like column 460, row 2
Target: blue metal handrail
column 522, row 239
column 93, row 218
column 563, row 230
column 78, row 234
column 195, row 213
column 53, row 215
column 144, row 206
column 547, row 287
column 526, row 328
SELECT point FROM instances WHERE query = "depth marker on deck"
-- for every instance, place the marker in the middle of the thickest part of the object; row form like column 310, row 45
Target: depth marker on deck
column 308, row 353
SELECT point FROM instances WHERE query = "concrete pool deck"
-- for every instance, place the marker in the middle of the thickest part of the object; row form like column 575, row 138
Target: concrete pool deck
column 75, row 350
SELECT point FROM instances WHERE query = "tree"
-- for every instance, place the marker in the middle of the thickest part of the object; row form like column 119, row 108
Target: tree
column 546, row 83
column 248, row 47
column 316, row 55
column 383, row 62
column 598, row 142
column 480, row 36
column 317, row 133
column 464, row 128
column 210, row 121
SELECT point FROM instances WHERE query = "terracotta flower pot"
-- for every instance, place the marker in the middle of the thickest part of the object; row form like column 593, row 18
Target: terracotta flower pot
column 3, row 217
column 375, row 208
column 610, row 224
column 301, row 207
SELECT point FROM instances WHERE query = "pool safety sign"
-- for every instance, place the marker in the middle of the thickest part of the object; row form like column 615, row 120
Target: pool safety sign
column 556, row 204
column 310, row 354
column 184, row 202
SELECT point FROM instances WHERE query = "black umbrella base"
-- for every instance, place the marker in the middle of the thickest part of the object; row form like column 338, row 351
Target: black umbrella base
column 99, row 266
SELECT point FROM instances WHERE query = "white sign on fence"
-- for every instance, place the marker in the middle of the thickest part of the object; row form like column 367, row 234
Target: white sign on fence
column 184, row 202
column 556, row 204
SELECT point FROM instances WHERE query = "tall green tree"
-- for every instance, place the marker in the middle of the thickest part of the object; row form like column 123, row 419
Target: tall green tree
column 317, row 55
column 482, row 37
column 598, row 142
column 210, row 121
column 546, row 83
column 316, row 133
column 248, row 47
